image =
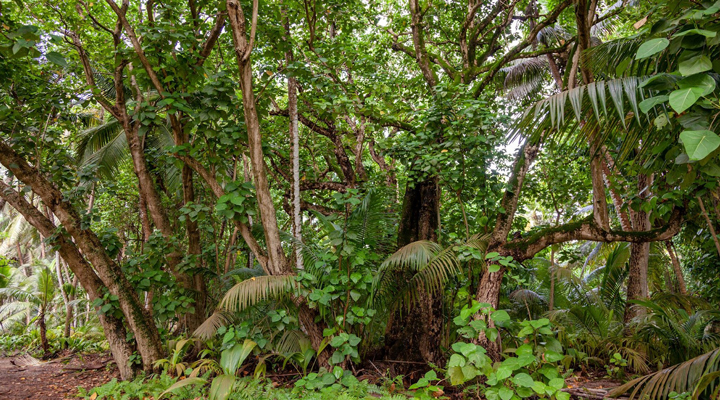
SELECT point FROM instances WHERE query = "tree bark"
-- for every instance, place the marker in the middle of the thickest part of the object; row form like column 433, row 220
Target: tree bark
column 113, row 327
column 142, row 325
column 710, row 224
column 676, row 267
column 418, row 336
column 637, row 287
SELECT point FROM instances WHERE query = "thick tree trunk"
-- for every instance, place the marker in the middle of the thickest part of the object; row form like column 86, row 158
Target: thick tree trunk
column 489, row 292
column 416, row 333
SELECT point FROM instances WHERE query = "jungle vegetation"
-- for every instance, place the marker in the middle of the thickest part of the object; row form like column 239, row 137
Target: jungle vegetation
column 501, row 192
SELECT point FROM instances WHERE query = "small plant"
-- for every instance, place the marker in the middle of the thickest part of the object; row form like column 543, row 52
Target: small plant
column 175, row 365
column 616, row 368
column 425, row 387
column 534, row 370
column 223, row 384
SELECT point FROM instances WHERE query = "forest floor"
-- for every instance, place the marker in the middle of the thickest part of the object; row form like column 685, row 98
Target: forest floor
column 24, row 377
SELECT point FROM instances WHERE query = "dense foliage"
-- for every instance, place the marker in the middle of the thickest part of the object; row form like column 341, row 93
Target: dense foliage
column 499, row 195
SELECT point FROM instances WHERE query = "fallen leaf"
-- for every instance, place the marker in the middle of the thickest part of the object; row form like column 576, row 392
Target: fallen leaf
column 640, row 23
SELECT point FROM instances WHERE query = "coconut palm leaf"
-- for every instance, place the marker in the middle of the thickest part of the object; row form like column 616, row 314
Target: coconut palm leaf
column 524, row 77
column 678, row 378
column 256, row 289
column 208, row 328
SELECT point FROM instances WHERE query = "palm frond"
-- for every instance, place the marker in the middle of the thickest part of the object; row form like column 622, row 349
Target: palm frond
column 208, row 328
column 256, row 289
column 524, row 77
column 678, row 378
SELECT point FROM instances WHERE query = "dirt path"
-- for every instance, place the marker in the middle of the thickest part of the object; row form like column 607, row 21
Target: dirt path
column 26, row 378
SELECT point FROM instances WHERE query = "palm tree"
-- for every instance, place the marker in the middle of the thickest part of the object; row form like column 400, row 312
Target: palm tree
column 32, row 296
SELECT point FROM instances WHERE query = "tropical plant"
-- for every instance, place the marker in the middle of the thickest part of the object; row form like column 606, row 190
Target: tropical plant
column 32, row 298
column 223, row 384
column 697, row 375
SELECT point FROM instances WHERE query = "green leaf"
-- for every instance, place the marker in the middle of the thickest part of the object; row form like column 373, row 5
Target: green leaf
column 699, row 144
column 700, row 81
column 500, row 316
column 538, row 387
column 651, row 47
column 56, row 58
column 552, row 356
column 524, row 380
column 456, row 375
column 703, row 32
column 505, row 393
column 493, row 268
column 562, row 396
column 503, row 373
column 647, row 104
column 695, row 65
column 456, row 360
column 556, row 383
column 682, row 99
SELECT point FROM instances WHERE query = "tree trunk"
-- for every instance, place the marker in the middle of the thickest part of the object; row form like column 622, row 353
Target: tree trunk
column 416, row 333
column 66, row 299
column 43, row 333
column 113, row 327
column 676, row 268
column 194, row 319
column 637, row 287
column 710, row 224
column 295, row 146
column 112, row 276
column 488, row 292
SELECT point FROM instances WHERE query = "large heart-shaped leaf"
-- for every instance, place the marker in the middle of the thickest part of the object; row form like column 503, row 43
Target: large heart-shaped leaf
column 701, row 81
column 651, row 47
column 695, row 65
column 699, row 144
column 682, row 99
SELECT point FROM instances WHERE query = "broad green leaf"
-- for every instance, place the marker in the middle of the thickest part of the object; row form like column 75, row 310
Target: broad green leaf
column 695, row 65
column 700, row 81
column 503, row 372
column 699, row 144
column 56, row 58
column 524, row 380
column 703, row 32
column 647, row 104
column 221, row 387
column 500, row 316
column 456, row 360
column 552, row 356
column 505, row 393
column 651, row 47
column 456, row 375
column 682, row 99
column 562, row 396
column 539, row 387
column 183, row 383
column 557, row 383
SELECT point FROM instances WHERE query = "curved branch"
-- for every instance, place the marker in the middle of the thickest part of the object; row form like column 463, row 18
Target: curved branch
column 586, row 229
